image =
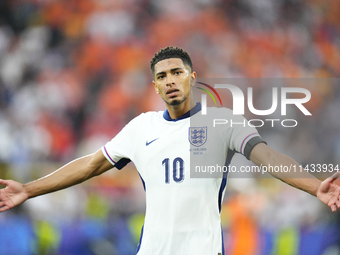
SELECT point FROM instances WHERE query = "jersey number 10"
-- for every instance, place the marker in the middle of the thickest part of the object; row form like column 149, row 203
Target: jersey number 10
column 177, row 170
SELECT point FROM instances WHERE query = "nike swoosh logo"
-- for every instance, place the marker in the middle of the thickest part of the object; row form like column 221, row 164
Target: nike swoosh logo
column 148, row 143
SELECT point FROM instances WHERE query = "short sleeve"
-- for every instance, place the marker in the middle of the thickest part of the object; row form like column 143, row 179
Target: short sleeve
column 243, row 137
column 119, row 151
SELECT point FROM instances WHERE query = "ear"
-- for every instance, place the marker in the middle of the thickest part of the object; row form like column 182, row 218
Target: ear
column 155, row 87
column 193, row 77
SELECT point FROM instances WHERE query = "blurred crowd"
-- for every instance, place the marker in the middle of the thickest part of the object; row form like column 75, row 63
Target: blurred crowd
column 74, row 72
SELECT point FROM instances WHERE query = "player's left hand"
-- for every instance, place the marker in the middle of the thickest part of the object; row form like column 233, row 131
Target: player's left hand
column 329, row 192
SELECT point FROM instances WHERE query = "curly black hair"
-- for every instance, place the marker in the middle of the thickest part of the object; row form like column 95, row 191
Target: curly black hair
column 170, row 52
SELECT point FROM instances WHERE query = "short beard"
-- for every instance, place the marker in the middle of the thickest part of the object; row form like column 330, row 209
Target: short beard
column 176, row 102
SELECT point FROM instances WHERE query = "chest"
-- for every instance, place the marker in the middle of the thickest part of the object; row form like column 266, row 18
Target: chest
column 168, row 153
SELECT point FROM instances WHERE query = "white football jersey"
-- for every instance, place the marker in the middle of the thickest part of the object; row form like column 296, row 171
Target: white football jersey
column 182, row 212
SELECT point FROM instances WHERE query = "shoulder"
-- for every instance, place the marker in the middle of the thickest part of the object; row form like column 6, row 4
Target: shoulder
column 146, row 116
column 220, row 110
column 152, row 114
column 149, row 115
column 222, row 113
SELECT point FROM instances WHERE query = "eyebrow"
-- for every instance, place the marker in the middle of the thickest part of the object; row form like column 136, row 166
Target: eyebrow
column 171, row 70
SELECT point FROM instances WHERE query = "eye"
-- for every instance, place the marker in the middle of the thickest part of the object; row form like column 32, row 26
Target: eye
column 160, row 77
column 178, row 72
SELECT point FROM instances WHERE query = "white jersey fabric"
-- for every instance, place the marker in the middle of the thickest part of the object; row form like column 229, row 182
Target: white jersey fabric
column 182, row 213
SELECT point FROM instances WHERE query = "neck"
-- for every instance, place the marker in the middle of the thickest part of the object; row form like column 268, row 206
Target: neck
column 176, row 111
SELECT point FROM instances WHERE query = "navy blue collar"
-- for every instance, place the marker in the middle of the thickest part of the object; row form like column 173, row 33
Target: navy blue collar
column 193, row 111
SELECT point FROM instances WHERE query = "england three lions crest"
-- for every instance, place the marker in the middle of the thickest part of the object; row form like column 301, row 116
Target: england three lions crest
column 197, row 136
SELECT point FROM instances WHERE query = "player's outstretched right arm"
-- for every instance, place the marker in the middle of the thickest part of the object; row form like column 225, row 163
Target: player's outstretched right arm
column 75, row 172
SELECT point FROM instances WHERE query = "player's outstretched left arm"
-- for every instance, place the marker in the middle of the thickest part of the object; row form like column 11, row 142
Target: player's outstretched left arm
column 327, row 191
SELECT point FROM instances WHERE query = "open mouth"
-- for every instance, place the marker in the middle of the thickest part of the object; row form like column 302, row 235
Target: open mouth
column 172, row 92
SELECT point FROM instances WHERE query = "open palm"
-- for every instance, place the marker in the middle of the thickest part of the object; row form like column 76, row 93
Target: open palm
column 14, row 194
column 329, row 192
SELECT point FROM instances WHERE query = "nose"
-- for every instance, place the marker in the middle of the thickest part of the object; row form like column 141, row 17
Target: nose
column 170, row 80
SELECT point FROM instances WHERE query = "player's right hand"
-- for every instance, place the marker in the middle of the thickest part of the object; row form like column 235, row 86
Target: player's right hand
column 12, row 195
